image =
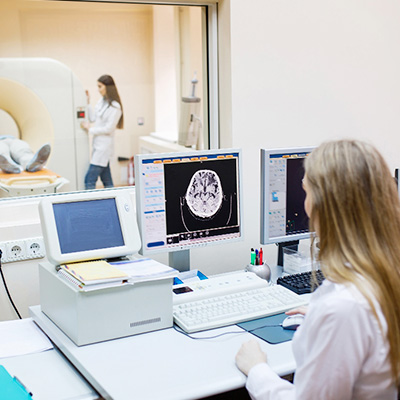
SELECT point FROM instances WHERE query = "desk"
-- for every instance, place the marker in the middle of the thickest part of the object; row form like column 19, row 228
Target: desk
column 49, row 376
column 165, row 364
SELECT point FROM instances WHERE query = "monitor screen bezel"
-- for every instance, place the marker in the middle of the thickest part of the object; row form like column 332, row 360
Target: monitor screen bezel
column 139, row 158
column 264, row 195
column 127, row 220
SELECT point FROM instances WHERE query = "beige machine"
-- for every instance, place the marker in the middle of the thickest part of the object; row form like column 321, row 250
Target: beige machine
column 47, row 103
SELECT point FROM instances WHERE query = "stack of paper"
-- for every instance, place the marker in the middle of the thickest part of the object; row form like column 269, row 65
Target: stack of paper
column 22, row 336
column 145, row 269
column 92, row 275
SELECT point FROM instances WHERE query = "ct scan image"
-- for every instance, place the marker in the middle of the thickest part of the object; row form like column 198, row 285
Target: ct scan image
column 204, row 194
column 201, row 195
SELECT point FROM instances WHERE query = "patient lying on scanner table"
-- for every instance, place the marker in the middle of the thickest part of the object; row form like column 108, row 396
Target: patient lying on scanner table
column 16, row 156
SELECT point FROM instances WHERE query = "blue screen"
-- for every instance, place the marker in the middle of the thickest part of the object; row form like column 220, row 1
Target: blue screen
column 87, row 225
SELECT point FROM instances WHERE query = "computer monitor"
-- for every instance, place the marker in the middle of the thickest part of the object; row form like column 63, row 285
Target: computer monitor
column 88, row 226
column 186, row 200
column 283, row 218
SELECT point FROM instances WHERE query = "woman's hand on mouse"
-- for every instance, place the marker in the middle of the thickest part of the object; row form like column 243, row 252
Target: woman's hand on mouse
column 249, row 355
column 299, row 310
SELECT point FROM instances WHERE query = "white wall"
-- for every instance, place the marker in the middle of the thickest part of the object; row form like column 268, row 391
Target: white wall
column 303, row 72
column 19, row 220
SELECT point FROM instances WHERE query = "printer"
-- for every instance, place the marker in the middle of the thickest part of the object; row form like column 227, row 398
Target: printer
column 87, row 226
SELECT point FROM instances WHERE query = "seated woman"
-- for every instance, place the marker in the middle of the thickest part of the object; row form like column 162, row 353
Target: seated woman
column 348, row 346
column 16, row 156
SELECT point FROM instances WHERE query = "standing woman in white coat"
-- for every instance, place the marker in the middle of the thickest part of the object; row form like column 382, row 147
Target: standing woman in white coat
column 348, row 346
column 107, row 117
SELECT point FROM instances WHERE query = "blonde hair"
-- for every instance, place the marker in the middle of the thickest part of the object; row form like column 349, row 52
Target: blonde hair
column 356, row 210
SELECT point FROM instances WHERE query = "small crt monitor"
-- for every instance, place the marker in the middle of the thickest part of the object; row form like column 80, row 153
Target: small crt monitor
column 89, row 226
column 188, row 199
column 283, row 217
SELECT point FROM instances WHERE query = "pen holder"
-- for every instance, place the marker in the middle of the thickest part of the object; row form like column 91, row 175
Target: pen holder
column 263, row 270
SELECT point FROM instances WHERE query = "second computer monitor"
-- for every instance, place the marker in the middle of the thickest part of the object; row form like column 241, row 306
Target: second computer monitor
column 89, row 225
column 283, row 217
column 188, row 199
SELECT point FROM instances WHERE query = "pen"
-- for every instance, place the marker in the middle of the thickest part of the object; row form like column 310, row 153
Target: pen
column 253, row 257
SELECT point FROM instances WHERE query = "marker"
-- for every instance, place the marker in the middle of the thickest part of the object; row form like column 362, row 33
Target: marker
column 252, row 256
column 257, row 258
column 261, row 256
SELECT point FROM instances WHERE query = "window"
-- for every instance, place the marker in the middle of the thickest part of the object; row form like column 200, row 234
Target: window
column 160, row 57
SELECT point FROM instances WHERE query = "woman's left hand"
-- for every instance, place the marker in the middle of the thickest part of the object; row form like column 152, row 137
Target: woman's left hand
column 85, row 125
column 249, row 355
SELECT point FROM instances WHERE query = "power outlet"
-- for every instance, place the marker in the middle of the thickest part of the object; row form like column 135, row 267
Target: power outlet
column 21, row 250
column 3, row 249
column 34, row 248
column 15, row 250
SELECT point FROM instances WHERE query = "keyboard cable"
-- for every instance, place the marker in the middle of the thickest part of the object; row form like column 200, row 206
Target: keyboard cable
column 224, row 333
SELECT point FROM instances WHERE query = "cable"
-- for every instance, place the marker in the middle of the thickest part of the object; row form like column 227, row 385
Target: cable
column 5, row 286
column 225, row 333
column 207, row 337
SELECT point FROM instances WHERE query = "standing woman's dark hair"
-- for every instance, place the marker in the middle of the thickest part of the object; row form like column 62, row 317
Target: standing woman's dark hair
column 112, row 95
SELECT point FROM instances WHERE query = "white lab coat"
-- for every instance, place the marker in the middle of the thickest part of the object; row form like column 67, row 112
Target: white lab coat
column 339, row 350
column 105, row 118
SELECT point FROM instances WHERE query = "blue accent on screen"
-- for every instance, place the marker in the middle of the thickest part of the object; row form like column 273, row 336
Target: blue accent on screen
column 88, row 225
column 156, row 244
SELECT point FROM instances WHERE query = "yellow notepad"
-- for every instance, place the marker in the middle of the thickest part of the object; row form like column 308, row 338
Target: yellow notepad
column 92, row 272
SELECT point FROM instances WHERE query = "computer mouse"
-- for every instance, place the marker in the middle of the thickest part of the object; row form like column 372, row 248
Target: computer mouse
column 292, row 321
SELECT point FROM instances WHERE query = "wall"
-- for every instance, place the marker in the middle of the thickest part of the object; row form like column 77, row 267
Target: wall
column 303, row 72
column 19, row 220
column 166, row 67
column 177, row 52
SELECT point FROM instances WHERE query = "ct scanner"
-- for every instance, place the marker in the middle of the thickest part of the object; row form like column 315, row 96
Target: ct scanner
column 47, row 103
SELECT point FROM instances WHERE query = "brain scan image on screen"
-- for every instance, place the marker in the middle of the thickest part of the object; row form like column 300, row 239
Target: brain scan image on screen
column 201, row 199
column 204, row 194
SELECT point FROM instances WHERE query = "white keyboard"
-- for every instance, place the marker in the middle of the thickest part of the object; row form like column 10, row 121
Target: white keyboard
column 222, row 304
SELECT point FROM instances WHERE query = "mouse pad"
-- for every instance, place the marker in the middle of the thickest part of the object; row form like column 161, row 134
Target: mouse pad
column 268, row 329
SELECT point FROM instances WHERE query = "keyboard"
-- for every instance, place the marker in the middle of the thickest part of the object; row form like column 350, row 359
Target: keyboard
column 301, row 283
column 224, row 301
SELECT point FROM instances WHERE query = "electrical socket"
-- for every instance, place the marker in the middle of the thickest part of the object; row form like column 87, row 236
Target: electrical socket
column 24, row 249
column 34, row 248
column 16, row 250
column 3, row 249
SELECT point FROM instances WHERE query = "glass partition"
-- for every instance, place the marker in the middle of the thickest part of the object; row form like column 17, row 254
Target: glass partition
column 52, row 54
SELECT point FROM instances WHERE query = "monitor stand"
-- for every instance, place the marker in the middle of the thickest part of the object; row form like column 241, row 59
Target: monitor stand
column 179, row 260
column 294, row 244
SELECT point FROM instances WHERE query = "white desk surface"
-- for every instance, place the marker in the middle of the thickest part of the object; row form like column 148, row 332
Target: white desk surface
column 49, row 376
column 164, row 364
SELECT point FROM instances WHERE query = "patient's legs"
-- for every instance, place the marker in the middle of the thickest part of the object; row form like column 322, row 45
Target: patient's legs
column 15, row 151
column 6, row 162
column 23, row 155
column 20, row 152
column 39, row 159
